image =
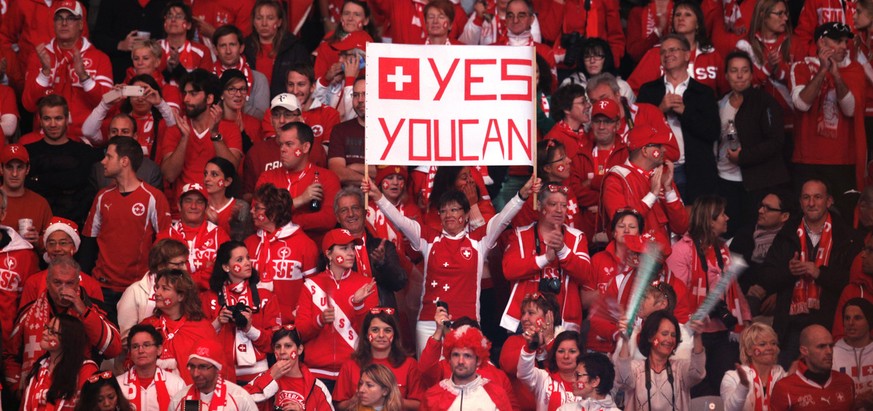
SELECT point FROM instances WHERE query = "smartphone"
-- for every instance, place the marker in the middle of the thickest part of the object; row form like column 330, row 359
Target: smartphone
column 444, row 305
column 111, row 96
column 192, row 405
column 133, row 91
column 144, row 35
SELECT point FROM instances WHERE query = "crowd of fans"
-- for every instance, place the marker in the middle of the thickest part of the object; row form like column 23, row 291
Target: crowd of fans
column 187, row 220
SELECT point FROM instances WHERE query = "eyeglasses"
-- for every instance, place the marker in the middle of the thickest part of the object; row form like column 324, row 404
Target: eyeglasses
column 595, row 57
column 361, row 94
column 239, row 90
column 201, row 367
column 51, row 331
column 672, row 50
column 378, row 310
column 602, row 121
column 768, row 208
column 520, row 16
column 554, row 188
column 453, row 210
column 105, row 375
column 557, row 160
column 62, row 243
column 67, row 19
column 534, row 296
column 174, row 17
column 144, row 346
column 580, row 375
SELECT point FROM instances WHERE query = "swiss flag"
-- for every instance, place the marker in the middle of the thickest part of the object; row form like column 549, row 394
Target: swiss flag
column 398, row 78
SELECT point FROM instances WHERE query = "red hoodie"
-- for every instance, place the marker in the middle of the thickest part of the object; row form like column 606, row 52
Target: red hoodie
column 860, row 286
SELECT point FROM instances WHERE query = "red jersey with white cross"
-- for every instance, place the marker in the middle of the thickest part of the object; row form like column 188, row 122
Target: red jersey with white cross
column 125, row 226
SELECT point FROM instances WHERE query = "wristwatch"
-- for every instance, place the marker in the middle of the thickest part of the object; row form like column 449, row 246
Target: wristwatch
column 216, row 137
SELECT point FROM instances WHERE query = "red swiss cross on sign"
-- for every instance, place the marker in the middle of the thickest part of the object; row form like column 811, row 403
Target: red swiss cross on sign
column 398, row 78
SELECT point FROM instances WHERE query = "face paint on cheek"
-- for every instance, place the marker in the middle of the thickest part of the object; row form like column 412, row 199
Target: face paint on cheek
column 656, row 342
column 371, row 337
column 298, row 152
column 561, row 168
column 385, row 185
column 656, row 153
column 540, row 323
column 237, row 268
column 221, row 183
column 53, row 344
column 293, row 355
column 167, row 302
column 580, row 385
column 339, row 259
column 757, row 352
column 261, row 218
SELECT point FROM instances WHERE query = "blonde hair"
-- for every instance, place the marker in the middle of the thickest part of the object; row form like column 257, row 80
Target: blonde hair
column 382, row 376
column 150, row 44
column 748, row 337
column 762, row 11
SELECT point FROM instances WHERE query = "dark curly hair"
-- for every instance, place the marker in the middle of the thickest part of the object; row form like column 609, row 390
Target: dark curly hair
column 277, row 202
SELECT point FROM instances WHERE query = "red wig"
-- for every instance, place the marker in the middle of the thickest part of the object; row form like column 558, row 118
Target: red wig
column 467, row 337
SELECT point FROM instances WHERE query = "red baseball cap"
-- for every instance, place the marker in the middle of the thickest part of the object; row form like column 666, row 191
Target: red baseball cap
column 72, row 6
column 605, row 107
column 641, row 136
column 339, row 236
column 195, row 187
column 356, row 40
column 14, row 152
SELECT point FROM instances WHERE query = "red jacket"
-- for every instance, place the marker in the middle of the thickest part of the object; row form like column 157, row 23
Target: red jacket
column 600, row 20
column 797, row 393
column 588, row 175
column 651, row 116
column 574, row 141
column 405, row 20
column 626, row 187
column 328, row 346
column 81, row 97
column 860, row 286
column 525, row 269
column 641, row 24
column 221, row 12
column 277, row 392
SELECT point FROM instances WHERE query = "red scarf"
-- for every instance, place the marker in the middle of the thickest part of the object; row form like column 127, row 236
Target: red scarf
column 418, row 18
column 64, row 76
column 762, row 398
column 39, row 387
column 806, row 292
column 145, row 131
column 829, row 113
column 294, row 179
column 733, row 16
column 650, row 19
column 219, row 396
column 239, row 293
column 169, row 334
column 362, row 258
column 134, row 390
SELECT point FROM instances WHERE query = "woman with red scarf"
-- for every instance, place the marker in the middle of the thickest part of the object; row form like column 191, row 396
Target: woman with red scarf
column 229, row 213
column 699, row 260
column 57, row 377
column 769, row 44
column 354, row 31
column 180, row 320
column 145, row 385
column 243, row 316
column 750, row 385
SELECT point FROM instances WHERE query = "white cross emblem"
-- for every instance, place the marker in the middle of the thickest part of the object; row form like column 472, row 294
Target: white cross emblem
column 445, row 287
column 446, row 264
column 399, row 79
column 31, row 347
column 466, row 253
column 435, row 300
column 572, row 207
column 603, row 104
column 434, row 284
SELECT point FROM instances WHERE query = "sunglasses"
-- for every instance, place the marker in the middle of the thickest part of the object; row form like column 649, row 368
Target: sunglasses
column 378, row 310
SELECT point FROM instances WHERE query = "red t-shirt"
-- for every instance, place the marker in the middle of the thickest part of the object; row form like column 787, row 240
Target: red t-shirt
column 200, row 149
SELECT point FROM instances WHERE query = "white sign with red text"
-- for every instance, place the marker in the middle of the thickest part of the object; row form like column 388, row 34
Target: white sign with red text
column 449, row 105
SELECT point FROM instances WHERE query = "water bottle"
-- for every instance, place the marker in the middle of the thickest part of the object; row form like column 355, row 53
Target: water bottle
column 315, row 204
column 731, row 136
